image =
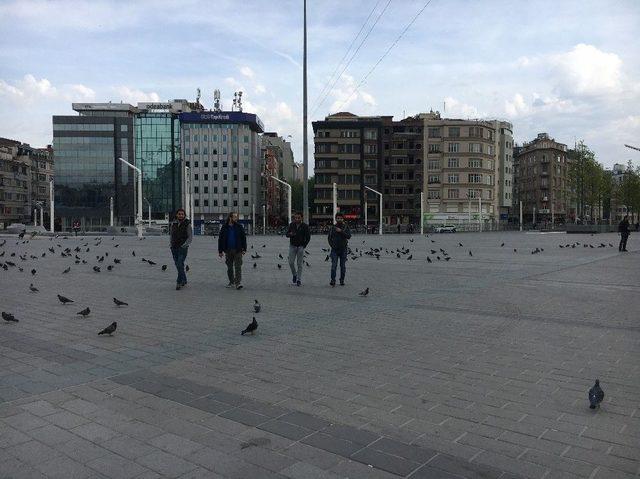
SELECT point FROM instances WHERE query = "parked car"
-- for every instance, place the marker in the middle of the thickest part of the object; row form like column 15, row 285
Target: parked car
column 445, row 229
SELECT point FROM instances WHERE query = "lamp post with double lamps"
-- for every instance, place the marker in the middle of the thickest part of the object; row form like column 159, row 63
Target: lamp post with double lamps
column 139, row 193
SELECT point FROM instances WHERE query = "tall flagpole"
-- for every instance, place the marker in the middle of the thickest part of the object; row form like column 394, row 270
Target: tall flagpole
column 305, row 153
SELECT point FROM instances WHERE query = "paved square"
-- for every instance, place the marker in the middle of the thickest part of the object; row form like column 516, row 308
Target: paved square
column 472, row 367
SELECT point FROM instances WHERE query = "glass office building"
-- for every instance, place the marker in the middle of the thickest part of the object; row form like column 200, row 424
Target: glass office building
column 157, row 150
column 87, row 172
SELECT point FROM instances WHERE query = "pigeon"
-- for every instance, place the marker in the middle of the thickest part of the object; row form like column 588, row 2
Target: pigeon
column 85, row 312
column 116, row 261
column 8, row 317
column 110, row 267
column 596, row 395
column 470, row 253
column 327, row 258
column 186, row 268
column 133, row 253
column 96, row 269
column 251, row 328
column 101, row 259
column 152, row 263
column 64, row 300
column 33, row 272
column 255, row 265
column 33, row 289
column 164, row 267
column 364, row 293
column 109, row 329
column 428, row 260
column 120, row 303
column 433, row 251
column 502, row 245
column 279, row 266
column 460, row 245
column 410, row 257
column 280, row 256
column 515, row 250
column 256, row 306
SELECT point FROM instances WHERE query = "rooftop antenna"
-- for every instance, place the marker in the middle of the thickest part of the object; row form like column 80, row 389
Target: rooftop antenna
column 239, row 102
column 216, row 100
column 198, row 96
column 235, row 100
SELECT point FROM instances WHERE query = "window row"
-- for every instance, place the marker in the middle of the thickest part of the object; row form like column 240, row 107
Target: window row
column 86, row 127
column 196, row 203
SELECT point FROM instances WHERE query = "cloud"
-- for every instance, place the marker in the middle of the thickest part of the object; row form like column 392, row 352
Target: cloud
column 516, row 106
column 457, row 108
column 29, row 90
column 133, row 96
column 247, row 71
column 345, row 96
column 289, row 58
column 259, row 89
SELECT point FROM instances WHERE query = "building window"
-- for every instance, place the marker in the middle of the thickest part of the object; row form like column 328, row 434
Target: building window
column 235, row 202
column 196, row 189
column 433, row 165
column 195, row 177
column 206, row 202
column 453, row 163
column 370, row 179
column 245, row 177
column 432, row 179
column 224, row 164
column 454, row 132
column 215, row 202
column 454, row 147
column 215, row 177
column 206, row 189
column 196, row 202
column 204, row 151
column 206, row 177
column 473, row 194
column 370, row 148
column 224, row 190
column 453, row 178
column 195, row 164
column 370, row 164
column 434, row 147
column 475, row 147
column 224, row 177
column 452, row 194
column 224, row 202
column 246, row 202
column 475, row 178
column 434, row 132
column 433, row 194
column 475, row 163
column 245, row 151
column 371, row 134
column 246, row 190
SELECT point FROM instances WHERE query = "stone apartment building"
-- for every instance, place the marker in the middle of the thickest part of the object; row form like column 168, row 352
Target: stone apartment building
column 25, row 173
column 465, row 160
column 542, row 181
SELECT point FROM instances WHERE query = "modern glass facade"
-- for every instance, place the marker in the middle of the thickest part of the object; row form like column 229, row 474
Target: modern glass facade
column 87, row 172
column 157, row 149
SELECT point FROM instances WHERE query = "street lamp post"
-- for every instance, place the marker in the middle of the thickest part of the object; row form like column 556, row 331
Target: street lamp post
column 111, row 211
column 139, row 192
column 380, row 207
column 421, row 212
column 335, row 202
column 288, row 195
column 51, row 200
column 149, row 204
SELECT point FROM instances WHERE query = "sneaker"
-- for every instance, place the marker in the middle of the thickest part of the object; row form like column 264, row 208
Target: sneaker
column 230, row 285
column 298, row 283
column 238, row 286
column 333, row 282
column 295, row 279
column 341, row 282
column 178, row 286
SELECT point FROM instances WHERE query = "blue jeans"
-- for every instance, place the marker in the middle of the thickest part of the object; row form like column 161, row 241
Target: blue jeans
column 179, row 256
column 335, row 256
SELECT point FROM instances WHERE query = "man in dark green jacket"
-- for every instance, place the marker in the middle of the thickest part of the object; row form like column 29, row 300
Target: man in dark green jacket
column 339, row 235
column 299, row 237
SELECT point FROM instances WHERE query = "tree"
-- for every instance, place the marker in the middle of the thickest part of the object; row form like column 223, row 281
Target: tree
column 587, row 180
column 297, row 192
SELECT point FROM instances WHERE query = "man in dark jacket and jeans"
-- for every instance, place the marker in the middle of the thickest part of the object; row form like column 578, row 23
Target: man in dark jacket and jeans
column 181, row 236
column 339, row 235
column 299, row 237
column 623, row 229
column 232, row 242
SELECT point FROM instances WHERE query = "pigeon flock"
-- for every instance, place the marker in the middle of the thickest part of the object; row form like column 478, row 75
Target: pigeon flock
column 82, row 253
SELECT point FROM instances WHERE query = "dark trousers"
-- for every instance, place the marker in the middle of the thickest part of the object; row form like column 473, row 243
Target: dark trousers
column 233, row 259
column 623, row 241
column 179, row 257
column 335, row 256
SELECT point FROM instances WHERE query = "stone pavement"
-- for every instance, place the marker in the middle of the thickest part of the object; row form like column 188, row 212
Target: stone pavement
column 477, row 367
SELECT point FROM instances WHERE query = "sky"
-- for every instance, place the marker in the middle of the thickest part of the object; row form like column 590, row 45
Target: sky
column 569, row 68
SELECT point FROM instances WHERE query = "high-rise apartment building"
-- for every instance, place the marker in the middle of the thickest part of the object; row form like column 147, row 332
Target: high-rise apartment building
column 467, row 171
column 284, row 153
column 88, row 173
column 222, row 151
column 542, row 181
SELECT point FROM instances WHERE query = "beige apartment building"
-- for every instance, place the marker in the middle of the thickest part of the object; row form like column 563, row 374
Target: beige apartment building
column 468, row 170
column 542, row 181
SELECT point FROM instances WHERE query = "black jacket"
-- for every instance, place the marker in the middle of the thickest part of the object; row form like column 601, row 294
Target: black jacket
column 181, row 233
column 623, row 227
column 222, row 239
column 339, row 241
column 299, row 235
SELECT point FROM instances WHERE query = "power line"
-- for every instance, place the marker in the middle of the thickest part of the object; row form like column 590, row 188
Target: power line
column 352, row 57
column 347, row 52
column 385, row 53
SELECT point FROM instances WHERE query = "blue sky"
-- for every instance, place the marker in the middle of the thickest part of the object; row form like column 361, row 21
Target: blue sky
column 569, row 68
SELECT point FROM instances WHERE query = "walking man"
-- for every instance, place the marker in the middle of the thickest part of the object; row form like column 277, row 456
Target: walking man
column 623, row 229
column 181, row 236
column 299, row 237
column 339, row 235
column 232, row 242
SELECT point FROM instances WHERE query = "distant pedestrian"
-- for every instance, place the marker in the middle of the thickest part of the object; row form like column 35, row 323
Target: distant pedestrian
column 76, row 226
column 232, row 243
column 299, row 237
column 399, row 228
column 181, row 235
column 623, row 229
column 339, row 235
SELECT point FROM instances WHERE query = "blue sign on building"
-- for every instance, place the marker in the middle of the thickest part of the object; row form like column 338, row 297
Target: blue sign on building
column 223, row 117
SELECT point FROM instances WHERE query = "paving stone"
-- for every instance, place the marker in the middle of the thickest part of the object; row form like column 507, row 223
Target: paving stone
column 301, row 470
column 33, row 452
column 285, row 429
column 167, row 464
column 10, row 437
column 25, row 421
column 66, row 419
column 349, row 433
column 331, row 444
column 39, row 408
column 464, row 468
column 175, row 444
column 305, row 420
column 51, row 435
column 406, row 451
column 94, row 432
column 116, row 467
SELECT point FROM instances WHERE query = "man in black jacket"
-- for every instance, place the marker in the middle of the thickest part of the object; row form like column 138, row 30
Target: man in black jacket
column 299, row 237
column 623, row 229
column 232, row 243
column 181, row 235
column 339, row 235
